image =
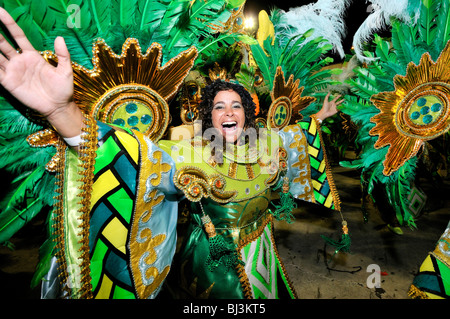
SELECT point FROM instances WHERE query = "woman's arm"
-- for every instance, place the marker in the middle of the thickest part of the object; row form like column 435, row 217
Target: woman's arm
column 37, row 84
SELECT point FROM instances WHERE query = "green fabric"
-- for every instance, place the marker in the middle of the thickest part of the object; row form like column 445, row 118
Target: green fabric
column 122, row 203
column 342, row 245
column 96, row 260
column 109, row 270
column 221, row 282
column 120, row 293
column 317, row 158
column 221, row 252
column 444, row 272
column 435, row 279
column 234, row 222
column 185, row 155
column 72, row 222
column 108, row 150
column 264, row 270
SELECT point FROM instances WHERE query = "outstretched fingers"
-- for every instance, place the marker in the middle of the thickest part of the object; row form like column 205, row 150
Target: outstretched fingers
column 335, row 100
column 16, row 33
column 6, row 48
column 3, row 64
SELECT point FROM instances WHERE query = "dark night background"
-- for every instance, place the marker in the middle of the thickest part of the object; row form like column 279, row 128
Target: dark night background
column 355, row 14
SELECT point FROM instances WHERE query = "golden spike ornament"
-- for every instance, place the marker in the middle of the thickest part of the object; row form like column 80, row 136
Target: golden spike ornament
column 130, row 90
column 418, row 110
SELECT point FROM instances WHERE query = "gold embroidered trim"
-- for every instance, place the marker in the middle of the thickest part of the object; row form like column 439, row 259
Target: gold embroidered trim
column 303, row 163
column 232, row 170
column 416, row 293
column 249, row 169
column 196, row 184
column 245, row 283
column 440, row 256
column 142, row 244
column 261, row 163
column 58, row 217
column 87, row 153
column 212, row 162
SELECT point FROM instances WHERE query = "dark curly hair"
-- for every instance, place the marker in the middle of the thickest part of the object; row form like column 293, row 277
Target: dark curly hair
column 210, row 91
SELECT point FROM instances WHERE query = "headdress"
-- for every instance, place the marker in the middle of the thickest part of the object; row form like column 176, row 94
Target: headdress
column 400, row 102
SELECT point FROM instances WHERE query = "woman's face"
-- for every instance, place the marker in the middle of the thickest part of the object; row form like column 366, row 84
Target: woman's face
column 228, row 115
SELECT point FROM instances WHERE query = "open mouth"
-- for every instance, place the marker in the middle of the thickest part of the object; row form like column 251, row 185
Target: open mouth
column 230, row 126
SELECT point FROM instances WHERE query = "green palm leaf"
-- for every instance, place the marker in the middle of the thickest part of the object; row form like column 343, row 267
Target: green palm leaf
column 209, row 46
column 263, row 62
column 169, row 22
column 427, row 22
column 21, row 206
column 151, row 11
column 127, row 12
column 101, row 13
column 442, row 35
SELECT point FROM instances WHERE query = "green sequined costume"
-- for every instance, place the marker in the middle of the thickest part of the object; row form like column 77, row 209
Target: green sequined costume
column 129, row 230
column 245, row 223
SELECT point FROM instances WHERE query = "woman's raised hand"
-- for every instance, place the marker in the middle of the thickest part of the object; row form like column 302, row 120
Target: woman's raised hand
column 36, row 83
column 329, row 108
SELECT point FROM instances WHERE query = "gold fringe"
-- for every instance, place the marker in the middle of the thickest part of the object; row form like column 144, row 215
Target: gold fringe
column 245, row 283
column 58, row 217
column 87, row 153
column 416, row 293
column 291, row 286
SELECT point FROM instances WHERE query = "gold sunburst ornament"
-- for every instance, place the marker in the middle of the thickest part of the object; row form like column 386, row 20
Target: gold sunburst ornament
column 418, row 110
column 129, row 90
column 287, row 101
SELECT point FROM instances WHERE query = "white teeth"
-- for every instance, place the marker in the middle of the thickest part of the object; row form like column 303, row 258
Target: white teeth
column 229, row 123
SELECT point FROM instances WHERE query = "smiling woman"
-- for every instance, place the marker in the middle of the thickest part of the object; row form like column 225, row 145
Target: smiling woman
column 228, row 115
column 230, row 187
column 228, row 108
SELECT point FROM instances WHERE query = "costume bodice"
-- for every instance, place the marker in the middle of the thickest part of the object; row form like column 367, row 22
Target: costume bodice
column 241, row 175
column 235, row 193
column 234, row 220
